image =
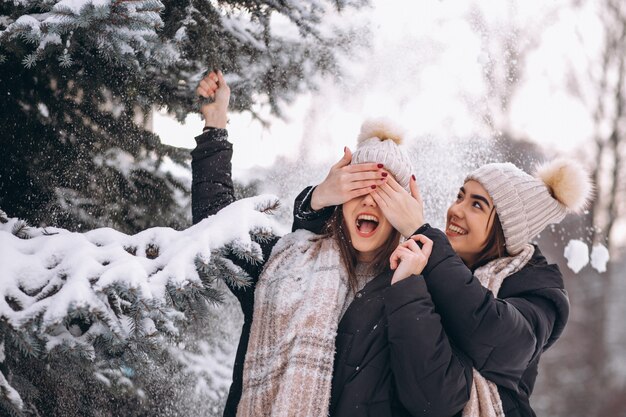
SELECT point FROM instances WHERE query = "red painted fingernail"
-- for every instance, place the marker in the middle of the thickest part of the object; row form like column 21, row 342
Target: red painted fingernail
column 380, row 165
column 373, row 186
column 384, row 174
column 413, row 176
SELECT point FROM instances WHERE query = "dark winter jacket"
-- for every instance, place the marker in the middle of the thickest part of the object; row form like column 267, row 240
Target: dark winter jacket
column 392, row 359
column 504, row 337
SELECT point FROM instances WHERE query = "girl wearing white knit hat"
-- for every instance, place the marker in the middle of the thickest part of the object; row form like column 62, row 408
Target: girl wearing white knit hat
column 501, row 302
column 330, row 327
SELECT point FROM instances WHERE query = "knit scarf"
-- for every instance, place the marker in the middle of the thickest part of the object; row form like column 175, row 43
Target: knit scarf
column 297, row 304
column 484, row 398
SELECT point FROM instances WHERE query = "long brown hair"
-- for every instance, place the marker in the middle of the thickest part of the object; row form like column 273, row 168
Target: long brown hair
column 336, row 228
column 495, row 245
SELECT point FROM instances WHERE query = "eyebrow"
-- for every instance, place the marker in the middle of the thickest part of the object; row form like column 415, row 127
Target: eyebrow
column 477, row 197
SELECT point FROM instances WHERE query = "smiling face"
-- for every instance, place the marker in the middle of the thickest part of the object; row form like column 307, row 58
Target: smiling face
column 368, row 228
column 469, row 221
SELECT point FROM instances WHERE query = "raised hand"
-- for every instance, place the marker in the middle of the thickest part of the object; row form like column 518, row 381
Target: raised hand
column 404, row 211
column 214, row 86
column 345, row 182
column 409, row 259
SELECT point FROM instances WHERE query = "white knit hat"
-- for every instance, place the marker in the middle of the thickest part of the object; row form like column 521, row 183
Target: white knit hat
column 527, row 204
column 380, row 141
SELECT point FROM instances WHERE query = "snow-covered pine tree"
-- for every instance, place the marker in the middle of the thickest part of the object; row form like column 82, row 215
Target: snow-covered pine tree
column 90, row 321
column 79, row 79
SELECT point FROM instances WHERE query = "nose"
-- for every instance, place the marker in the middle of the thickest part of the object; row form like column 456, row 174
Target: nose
column 456, row 210
column 368, row 200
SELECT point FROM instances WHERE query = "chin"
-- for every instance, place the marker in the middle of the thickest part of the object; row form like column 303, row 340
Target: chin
column 366, row 248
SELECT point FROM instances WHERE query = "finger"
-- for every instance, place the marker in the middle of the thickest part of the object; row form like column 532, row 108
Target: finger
column 363, row 176
column 397, row 256
column 202, row 92
column 427, row 249
column 415, row 189
column 353, row 185
column 412, row 246
column 364, row 167
column 394, row 261
column 427, row 244
column 387, row 192
column 394, row 184
column 359, row 192
column 421, row 238
column 212, row 88
column 345, row 159
column 204, row 84
column 380, row 201
column 210, row 81
column 206, row 87
column 212, row 84
column 208, row 76
column 404, row 253
column 220, row 79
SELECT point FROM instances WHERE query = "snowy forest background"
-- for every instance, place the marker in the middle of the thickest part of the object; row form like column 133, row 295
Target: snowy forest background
column 127, row 316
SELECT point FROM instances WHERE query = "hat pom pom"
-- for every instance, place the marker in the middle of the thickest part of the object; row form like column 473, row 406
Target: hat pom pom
column 568, row 182
column 382, row 129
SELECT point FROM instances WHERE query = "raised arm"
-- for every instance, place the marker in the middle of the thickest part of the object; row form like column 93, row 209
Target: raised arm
column 212, row 190
column 212, row 184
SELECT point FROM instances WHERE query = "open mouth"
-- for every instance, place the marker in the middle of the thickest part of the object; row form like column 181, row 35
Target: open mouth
column 455, row 230
column 366, row 224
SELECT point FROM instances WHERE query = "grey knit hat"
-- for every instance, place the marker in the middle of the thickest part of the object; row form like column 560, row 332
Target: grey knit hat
column 527, row 204
column 381, row 141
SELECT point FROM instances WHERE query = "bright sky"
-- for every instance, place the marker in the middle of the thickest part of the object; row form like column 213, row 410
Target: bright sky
column 425, row 70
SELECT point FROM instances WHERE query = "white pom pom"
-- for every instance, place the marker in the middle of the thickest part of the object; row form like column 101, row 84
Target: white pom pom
column 382, row 129
column 568, row 182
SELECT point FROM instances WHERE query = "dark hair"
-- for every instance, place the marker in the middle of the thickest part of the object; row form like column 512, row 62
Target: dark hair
column 495, row 246
column 336, row 228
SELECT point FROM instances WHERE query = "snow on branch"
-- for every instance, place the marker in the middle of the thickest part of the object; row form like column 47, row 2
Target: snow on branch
column 121, row 30
column 91, row 295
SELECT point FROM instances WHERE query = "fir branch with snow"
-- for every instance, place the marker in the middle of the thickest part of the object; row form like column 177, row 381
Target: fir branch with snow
column 82, row 77
column 85, row 298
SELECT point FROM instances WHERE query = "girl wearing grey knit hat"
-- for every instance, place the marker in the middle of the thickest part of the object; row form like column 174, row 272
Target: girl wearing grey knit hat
column 510, row 304
column 499, row 299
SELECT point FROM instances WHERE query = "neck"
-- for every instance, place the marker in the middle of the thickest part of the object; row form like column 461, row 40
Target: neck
column 365, row 257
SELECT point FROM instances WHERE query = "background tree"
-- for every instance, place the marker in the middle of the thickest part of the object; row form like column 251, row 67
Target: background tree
column 591, row 346
column 80, row 79
column 601, row 87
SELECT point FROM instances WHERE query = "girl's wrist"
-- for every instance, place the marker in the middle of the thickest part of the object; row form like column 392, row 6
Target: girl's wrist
column 410, row 228
column 316, row 204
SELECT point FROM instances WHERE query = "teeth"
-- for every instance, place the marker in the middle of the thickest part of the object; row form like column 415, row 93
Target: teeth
column 456, row 229
column 367, row 217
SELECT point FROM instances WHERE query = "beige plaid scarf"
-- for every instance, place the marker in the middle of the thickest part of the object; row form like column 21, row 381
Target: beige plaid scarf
column 297, row 304
column 484, row 398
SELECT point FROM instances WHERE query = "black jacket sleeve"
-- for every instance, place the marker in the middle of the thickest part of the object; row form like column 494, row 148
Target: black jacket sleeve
column 426, row 368
column 211, row 181
column 212, row 190
column 304, row 217
column 501, row 336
